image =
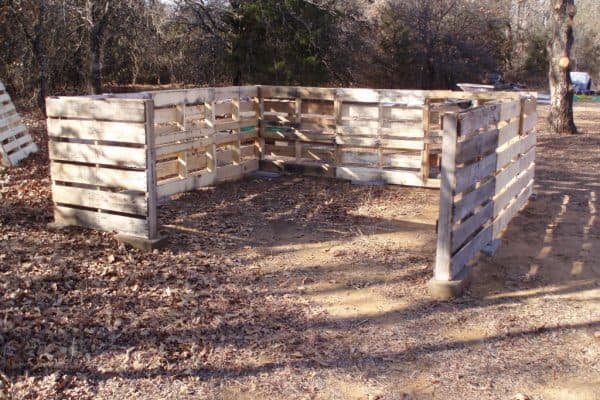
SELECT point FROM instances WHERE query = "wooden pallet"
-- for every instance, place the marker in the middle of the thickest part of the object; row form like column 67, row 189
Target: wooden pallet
column 16, row 143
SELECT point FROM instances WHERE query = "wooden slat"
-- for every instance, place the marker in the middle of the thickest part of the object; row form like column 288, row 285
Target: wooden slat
column 17, row 143
column 510, row 110
column 97, row 130
column 513, row 169
column 405, row 178
column 22, row 153
column 100, row 221
column 12, row 132
column 520, row 146
column 349, row 157
column 479, row 118
column 199, row 143
column 97, row 109
column 504, row 197
column 385, row 143
column 224, row 137
column 108, row 177
column 194, row 181
column 471, row 249
column 401, row 161
column 469, row 175
column 469, row 202
column 507, row 132
column 294, row 134
column 227, row 93
column 443, row 262
column 234, row 172
column 130, row 203
column 513, row 208
column 477, row 146
column 97, row 154
column 471, row 225
column 189, row 135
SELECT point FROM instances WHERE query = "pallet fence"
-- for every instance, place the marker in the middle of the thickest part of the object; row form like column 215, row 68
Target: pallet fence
column 487, row 173
column 114, row 156
column 16, row 143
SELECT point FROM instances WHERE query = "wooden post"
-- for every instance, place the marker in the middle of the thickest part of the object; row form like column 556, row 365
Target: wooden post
column 235, row 115
column 297, row 120
column 211, row 153
column 443, row 260
column 425, row 155
column 151, row 190
column 337, row 112
column 260, row 127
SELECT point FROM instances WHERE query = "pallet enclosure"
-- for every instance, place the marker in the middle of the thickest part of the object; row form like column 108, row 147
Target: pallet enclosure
column 114, row 156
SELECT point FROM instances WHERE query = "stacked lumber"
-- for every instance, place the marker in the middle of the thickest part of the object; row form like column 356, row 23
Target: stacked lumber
column 16, row 143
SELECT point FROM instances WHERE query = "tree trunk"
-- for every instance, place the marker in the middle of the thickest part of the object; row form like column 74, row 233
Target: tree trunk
column 559, row 48
column 96, row 66
column 41, row 55
column 42, row 61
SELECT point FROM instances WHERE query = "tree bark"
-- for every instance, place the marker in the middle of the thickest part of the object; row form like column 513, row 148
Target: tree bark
column 559, row 48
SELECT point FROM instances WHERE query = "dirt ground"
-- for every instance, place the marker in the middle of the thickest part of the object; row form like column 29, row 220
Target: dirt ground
column 301, row 288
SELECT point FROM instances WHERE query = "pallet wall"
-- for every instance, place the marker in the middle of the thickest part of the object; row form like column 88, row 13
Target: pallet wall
column 353, row 134
column 16, row 143
column 204, row 136
column 487, row 177
column 101, row 163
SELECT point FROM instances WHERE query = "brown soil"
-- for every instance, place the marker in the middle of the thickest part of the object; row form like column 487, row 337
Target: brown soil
column 301, row 288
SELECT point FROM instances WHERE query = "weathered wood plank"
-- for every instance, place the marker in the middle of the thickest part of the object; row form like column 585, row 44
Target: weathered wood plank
column 199, row 143
column 470, row 250
column 471, row 225
column 130, row 202
column 22, row 153
column 513, row 208
column 101, row 221
column 520, row 146
column 17, row 143
column 443, row 269
column 97, row 154
column 107, row 177
column 126, row 110
column 477, row 146
column 97, row 130
column 513, row 169
column 513, row 188
column 472, row 200
column 192, row 182
column 479, row 118
column 510, row 110
column 469, row 175
column 12, row 132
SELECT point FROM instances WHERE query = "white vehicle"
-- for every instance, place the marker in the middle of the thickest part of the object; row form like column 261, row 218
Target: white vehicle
column 582, row 81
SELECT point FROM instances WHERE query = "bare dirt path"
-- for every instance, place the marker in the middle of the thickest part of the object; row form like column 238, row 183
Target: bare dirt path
column 300, row 288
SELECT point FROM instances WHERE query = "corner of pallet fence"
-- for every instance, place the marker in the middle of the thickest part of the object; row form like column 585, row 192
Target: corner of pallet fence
column 446, row 290
column 142, row 243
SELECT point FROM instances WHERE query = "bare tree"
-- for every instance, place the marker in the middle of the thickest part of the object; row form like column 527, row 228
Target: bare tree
column 559, row 48
column 32, row 18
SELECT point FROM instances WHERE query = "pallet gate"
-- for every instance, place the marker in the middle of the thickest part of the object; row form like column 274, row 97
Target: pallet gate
column 16, row 143
column 114, row 156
